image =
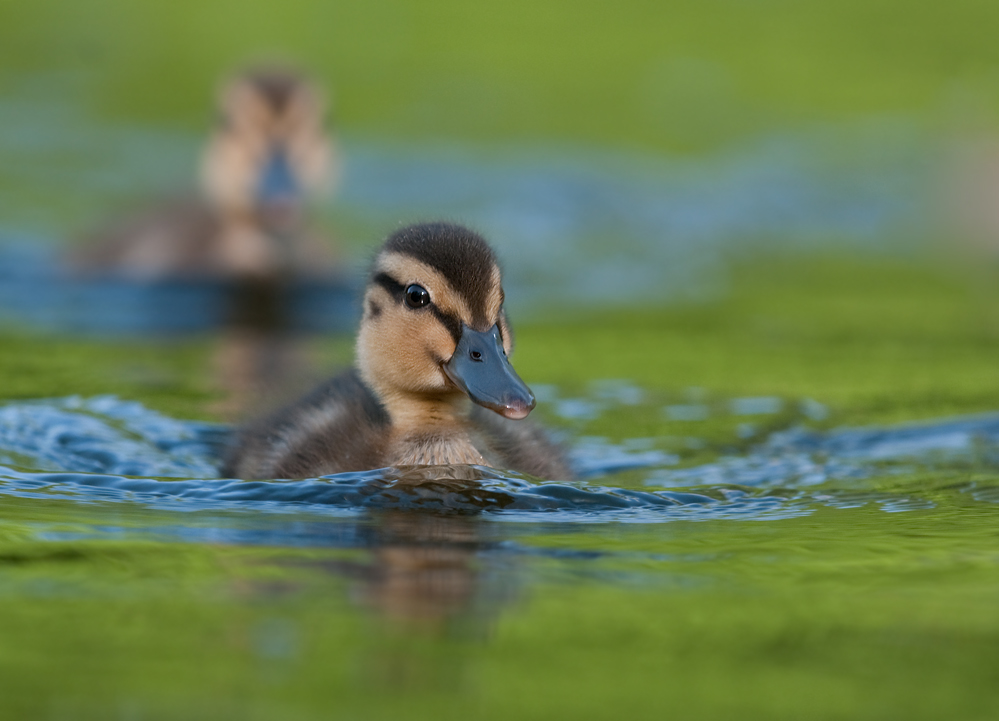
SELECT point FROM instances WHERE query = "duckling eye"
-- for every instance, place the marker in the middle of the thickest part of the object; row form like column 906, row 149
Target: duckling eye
column 417, row 296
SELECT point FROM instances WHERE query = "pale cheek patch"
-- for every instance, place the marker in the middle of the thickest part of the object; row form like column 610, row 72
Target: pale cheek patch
column 403, row 350
column 376, row 301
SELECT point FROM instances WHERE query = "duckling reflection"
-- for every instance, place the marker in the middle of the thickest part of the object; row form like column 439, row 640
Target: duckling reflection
column 269, row 154
column 426, row 573
column 423, row 571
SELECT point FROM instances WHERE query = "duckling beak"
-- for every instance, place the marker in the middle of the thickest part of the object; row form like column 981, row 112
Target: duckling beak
column 480, row 368
column 278, row 191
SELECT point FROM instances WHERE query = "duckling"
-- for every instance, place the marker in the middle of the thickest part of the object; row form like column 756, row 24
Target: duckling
column 432, row 383
column 267, row 155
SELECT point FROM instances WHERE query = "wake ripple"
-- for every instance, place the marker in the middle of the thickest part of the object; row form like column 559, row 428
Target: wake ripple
column 450, row 489
column 103, row 449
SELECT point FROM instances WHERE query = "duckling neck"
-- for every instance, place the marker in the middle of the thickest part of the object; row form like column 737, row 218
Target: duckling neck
column 430, row 431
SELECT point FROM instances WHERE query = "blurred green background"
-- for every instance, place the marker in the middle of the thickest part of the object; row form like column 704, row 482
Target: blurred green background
column 675, row 76
column 668, row 81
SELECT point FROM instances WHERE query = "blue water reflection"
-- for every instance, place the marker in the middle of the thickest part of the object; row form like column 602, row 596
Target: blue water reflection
column 36, row 290
column 624, row 226
column 106, row 450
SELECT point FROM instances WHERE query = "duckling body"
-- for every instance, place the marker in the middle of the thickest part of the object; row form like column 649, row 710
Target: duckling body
column 433, row 384
column 268, row 154
column 342, row 426
column 187, row 238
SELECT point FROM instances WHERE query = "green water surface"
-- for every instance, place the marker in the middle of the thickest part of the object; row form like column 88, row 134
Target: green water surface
column 833, row 613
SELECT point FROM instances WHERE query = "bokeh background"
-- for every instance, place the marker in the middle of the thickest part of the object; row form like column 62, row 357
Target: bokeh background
column 643, row 139
column 697, row 120
column 633, row 156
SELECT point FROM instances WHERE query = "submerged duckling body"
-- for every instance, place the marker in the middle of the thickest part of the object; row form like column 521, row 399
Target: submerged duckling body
column 432, row 385
column 267, row 155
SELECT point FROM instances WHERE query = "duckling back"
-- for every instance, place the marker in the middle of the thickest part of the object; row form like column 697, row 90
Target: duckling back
column 341, row 426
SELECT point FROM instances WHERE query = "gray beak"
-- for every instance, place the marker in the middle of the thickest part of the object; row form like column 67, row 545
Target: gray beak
column 277, row 182
column 480, row 368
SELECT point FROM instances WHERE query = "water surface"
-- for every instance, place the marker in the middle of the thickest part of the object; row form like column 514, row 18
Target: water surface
column 626, row 227
column 842, row 558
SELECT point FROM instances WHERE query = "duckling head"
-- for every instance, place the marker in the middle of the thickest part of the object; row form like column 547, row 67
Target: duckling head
column 270, row 151
column 434, row 329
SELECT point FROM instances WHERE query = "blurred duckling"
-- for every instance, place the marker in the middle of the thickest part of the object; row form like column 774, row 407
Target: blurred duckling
column 267, row 156
column 433, row 384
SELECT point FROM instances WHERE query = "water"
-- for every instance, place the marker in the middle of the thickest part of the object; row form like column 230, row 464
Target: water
column 378, row 590
column 37, row 290
column 625, row 227
column 736, row 555
column 108, row 450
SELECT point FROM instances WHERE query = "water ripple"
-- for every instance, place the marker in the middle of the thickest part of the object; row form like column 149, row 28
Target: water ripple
column 457, row 489
column 800, row 457
column 105, row 435
column 103, row 449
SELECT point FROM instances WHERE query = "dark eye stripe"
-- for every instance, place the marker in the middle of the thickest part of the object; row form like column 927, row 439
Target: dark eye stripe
column 451, row 322
column 390, row 284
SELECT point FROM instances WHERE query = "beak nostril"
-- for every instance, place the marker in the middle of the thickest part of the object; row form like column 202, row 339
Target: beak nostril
column 475, row 355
